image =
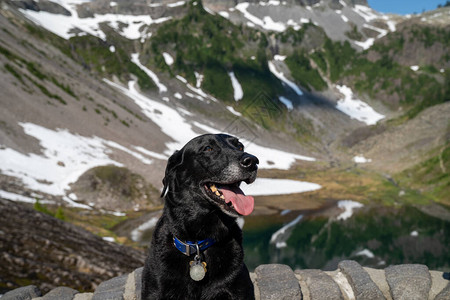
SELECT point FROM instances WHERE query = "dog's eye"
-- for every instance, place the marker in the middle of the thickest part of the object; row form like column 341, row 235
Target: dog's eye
column 208, row 148
column 241, row 147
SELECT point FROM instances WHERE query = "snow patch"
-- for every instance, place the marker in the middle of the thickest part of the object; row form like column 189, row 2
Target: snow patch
column 238, row 92
column 293, row 24
column 269, row 158
column 365, row 252
column 166, row 118
column 64, row 26
column 279, row 57
column 136, row 234
column 184, row 111
column 179, row 3
column 355, row 108
column 392, row 25
column 266, row 23
column 109, row 239
column 233, row 111
column 280, row 236
column 305, row 20
column 200, row 93
column 281, row 76
column 348, row 206
column 135, row 59
column 270, row 186
column 415, row 68
column 365, row 12
column 199, row 79
column 382, row 32
column 151, row 153
column 168, row 58
column 360, row 159
column 224, row 14
column 366, row 44
column 270, row 2
column 21, row 198
column 182, row 79
column 286, row 102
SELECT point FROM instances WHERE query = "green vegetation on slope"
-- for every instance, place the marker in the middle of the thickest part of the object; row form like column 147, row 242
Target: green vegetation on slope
column 376, row 72
column 304, row 73
column 423, row 35
column 432, row 176
column 24, row 69
column 213, row 46
column 125, row 183
column 95, row 55
column 382, row 79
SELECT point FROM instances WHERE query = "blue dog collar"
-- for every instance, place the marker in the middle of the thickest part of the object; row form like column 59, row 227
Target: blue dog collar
column 188, row 248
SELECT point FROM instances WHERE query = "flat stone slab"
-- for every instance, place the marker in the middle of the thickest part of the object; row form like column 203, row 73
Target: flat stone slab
column 363, row 286
column 59, row 293
column 112, row 289
column 277, row 282
column 408, row 282
column 83, row 296
column 320, row 285
column 23, row 293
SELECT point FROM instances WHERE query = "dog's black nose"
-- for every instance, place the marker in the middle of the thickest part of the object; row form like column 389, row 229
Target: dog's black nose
column 249, row 161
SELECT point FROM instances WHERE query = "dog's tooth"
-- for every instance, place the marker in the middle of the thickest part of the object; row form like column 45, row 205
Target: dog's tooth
column 222, row 197
column 217, row 193
column 213, row 188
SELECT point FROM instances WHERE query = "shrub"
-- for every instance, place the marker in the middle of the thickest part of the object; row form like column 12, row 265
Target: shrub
column 303, row 73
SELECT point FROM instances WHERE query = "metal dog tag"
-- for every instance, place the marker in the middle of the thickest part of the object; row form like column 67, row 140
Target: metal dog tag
column 198, row 269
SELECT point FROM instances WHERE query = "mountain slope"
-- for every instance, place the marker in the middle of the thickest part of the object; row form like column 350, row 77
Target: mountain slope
column 135, row 81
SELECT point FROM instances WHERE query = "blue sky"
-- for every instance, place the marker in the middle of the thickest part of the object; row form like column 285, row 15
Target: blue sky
column 403, row 7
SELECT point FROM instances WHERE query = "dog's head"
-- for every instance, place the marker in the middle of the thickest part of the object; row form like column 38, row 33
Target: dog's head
column 210, row 168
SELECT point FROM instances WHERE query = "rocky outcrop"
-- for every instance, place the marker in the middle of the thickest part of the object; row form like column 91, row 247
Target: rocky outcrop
column 115, row 188
column 36, row 249
column 349, row 281
column 43, row 5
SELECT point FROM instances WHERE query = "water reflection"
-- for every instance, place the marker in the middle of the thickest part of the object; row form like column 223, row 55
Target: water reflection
column 374, row 236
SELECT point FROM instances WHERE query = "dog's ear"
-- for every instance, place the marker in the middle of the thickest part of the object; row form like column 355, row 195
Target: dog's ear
column 175, row 160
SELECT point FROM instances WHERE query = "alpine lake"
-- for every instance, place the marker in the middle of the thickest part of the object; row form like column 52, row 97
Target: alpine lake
column 374, row 236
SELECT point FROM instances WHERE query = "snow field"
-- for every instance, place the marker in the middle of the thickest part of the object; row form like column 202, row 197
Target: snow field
column 65, row 157
column 270, row 186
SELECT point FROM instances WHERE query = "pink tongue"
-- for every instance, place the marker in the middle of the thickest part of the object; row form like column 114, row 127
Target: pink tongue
column 242, row 204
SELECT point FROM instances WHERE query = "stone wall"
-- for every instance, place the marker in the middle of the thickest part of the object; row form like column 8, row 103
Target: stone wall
column 276, row 282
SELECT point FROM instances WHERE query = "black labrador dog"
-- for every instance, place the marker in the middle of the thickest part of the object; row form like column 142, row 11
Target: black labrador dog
column 196, row 250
